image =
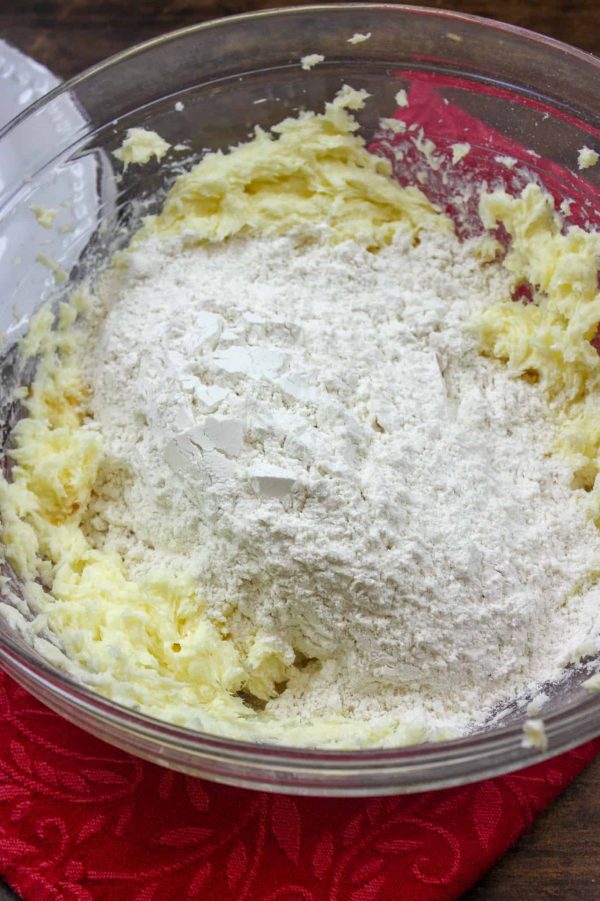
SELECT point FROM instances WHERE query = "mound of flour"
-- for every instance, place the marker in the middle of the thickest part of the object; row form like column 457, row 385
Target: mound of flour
column 309, row 432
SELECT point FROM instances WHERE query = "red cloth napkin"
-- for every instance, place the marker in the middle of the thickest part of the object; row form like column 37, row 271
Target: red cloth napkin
column 81, row 821
column 430, row 114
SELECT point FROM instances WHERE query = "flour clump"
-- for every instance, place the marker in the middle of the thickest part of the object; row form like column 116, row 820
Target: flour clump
column 366, row 506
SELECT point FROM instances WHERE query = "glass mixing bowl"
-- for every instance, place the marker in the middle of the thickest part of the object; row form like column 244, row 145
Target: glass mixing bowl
column 207, row 87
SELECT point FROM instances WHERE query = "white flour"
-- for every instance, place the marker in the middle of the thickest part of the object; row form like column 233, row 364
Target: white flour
column 310, row 432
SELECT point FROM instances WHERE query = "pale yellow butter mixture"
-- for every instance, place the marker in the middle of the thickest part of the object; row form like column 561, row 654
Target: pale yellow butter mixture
column 145, row 643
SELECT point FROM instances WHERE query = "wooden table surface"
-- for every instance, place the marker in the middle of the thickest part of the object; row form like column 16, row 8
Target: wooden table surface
column 559, row 857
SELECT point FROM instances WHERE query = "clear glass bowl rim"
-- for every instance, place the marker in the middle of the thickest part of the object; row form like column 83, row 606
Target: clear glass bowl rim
column 278, row 767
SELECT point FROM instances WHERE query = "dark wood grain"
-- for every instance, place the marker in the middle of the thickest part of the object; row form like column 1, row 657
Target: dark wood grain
column 69, row 35
column 559, row 857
